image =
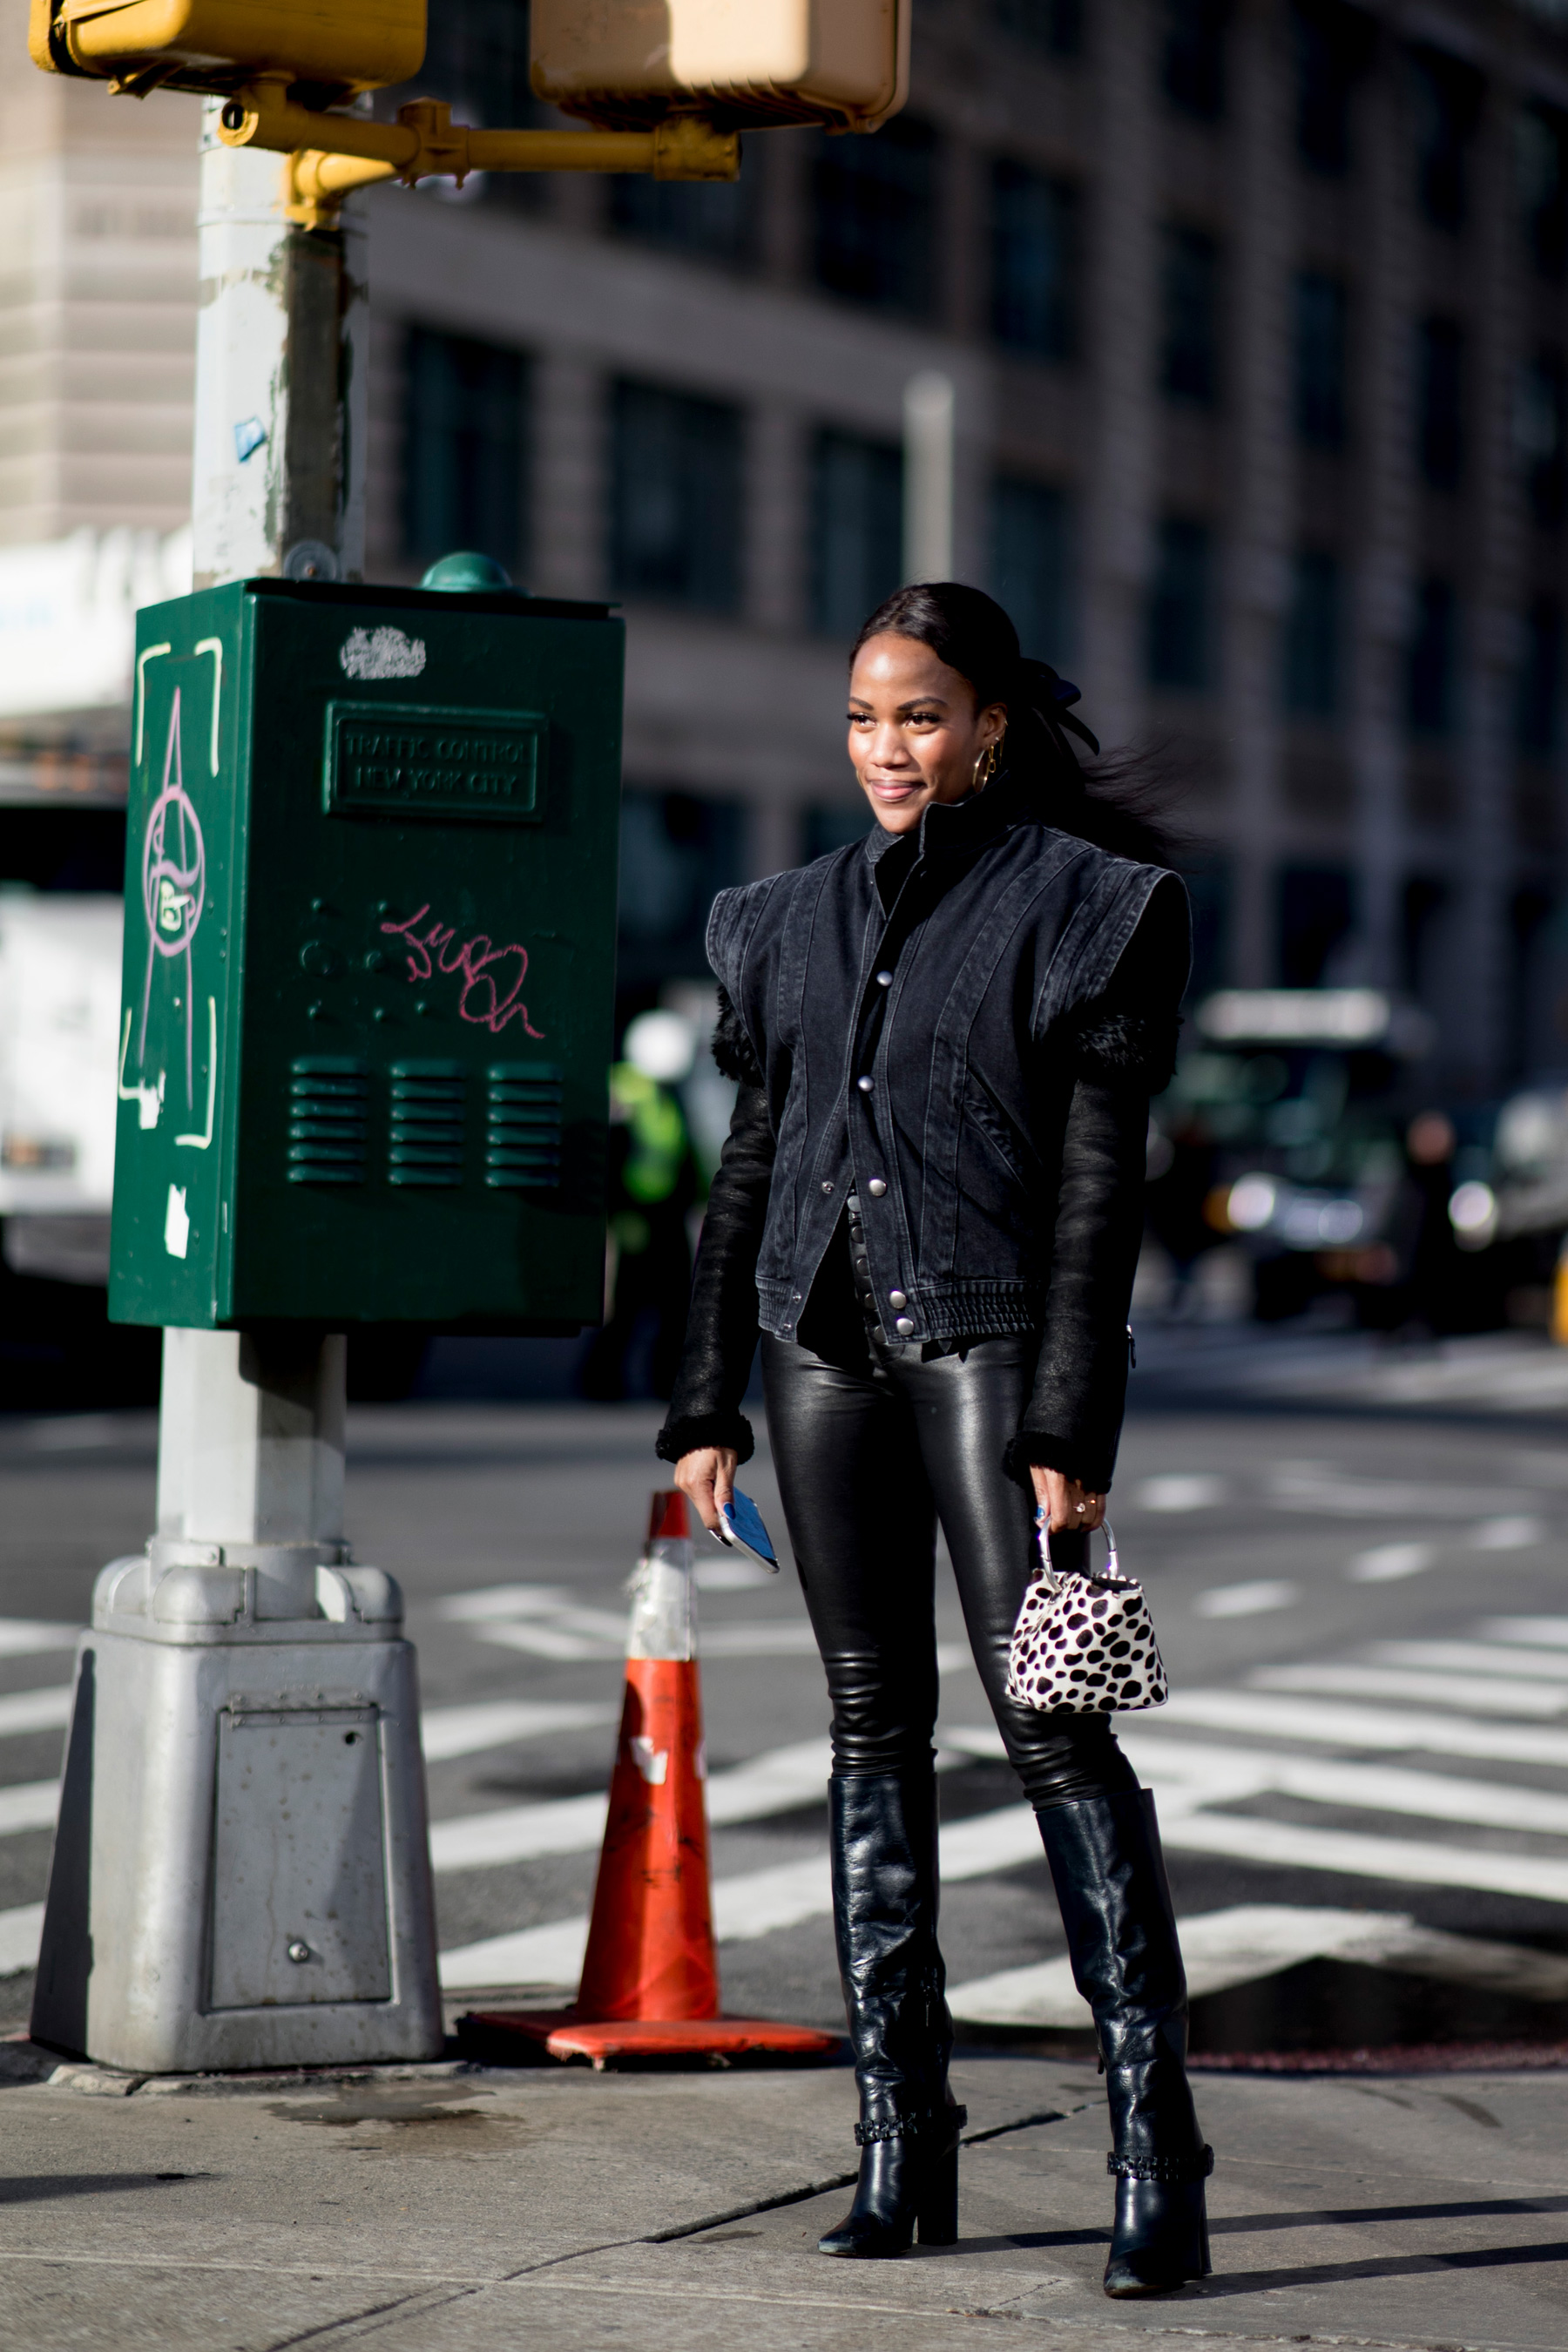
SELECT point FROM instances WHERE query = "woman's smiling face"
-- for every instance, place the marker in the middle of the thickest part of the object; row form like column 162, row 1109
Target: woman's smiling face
column 915, row 735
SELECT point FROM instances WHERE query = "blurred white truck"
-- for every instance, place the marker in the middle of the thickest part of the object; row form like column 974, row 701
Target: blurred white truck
column 59, row 1019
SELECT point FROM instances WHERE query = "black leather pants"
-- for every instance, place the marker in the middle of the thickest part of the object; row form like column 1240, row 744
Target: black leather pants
column 868, row 1462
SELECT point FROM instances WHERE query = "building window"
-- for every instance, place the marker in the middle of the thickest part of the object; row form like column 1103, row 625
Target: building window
column 873, row 202
column 828, row 829
column 1034, row 261
column 1180, row 648
column 1447, row 102
column 1189, row 307
column 1054, row 26
column 1541, row 153
column 1032, row 565
column 464, row 424
column 1540, row 432
column 675, row 531
column 1313, row 636
column 1317, row 914
column 677, row 853
column 857, row 515
column 711, row 220
column 1192, row 57
column 1540, row 690
column 1439, row 401
column 1333, row 49
column 1323, row 309
column 1429, row 662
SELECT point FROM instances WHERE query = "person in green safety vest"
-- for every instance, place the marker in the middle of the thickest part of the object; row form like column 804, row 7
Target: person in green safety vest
column 654, row 1184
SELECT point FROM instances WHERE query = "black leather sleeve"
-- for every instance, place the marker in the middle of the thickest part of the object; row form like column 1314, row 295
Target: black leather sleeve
column 1121, row 1051
column 1073, row 1421
column 721, row 1323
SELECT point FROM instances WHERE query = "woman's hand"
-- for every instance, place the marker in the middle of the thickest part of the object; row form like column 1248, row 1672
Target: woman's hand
column 707, row 1479
column 1067, row 1503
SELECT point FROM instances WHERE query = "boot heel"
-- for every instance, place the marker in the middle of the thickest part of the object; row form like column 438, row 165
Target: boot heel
column 937, row 2220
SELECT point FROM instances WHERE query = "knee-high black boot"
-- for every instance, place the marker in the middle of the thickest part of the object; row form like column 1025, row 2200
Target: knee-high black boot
column 1109, row 1876
column 884, row 1910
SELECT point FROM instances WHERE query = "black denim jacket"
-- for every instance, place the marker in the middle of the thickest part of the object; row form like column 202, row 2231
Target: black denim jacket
column 1006, row 1113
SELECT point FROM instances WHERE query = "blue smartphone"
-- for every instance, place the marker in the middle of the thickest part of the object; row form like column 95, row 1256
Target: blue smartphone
column 742, row 1524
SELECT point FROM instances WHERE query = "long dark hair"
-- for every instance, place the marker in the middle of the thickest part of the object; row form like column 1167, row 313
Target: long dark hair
column 1118, row 803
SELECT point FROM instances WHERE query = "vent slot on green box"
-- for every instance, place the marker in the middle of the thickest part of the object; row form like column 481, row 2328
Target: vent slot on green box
column 522, row 1124
column 425, row 1126
column 327, row 1120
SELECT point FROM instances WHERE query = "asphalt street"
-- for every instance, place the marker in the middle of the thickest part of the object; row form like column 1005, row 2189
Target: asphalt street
column 1354, row 1562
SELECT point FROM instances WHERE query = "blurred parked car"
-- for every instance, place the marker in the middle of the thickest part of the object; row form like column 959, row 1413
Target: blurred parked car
column 1284, row 1129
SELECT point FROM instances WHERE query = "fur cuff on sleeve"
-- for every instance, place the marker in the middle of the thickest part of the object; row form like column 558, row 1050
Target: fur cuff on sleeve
column 731, row 1047
column 698, row 1429
column 1125, row 1049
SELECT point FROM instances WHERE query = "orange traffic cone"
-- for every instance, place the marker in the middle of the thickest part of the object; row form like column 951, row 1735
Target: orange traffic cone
column 650, row 1975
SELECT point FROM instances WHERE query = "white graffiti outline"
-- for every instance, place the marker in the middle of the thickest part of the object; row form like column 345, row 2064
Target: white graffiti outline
column 149, row 652
column 173, row 889
column 149, row 1100
column 213, row 645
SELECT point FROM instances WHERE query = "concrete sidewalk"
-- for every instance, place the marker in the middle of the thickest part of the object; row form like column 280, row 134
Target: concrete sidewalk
column 460, row 2208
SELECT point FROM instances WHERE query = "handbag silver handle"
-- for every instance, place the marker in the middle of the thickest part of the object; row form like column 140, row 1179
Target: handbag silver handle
column 1043, row 1538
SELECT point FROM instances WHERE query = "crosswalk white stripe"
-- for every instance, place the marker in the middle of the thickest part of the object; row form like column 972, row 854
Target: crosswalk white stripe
column 1224, row 1775
column 1475, row 1697
column 1345, row 1726
column 20, row 1931
column 19, row 1636
column 1200, row 1773
column 35, row 1710
column 1553, row 1632
column 449, row 1731
column 775, row 1782
column 1292, row 1845
column 1488, row 1658
column 1234, row 1946
column 758, row 1903
column 28, row 1805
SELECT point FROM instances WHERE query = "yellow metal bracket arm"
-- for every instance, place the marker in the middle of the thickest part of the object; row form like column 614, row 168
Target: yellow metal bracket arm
column 329, row 154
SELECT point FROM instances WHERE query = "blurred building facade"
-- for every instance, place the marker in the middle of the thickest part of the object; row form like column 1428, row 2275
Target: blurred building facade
column 1256, row 318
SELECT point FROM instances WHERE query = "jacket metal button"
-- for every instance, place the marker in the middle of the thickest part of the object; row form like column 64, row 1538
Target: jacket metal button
column 903, row 1327
column 865, row 1084
column 896, row 1298
column 876, row 1188
column 884, row 980
column 827, row 1187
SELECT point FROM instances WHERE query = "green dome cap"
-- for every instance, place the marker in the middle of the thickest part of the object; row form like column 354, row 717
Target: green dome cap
column 467, row 569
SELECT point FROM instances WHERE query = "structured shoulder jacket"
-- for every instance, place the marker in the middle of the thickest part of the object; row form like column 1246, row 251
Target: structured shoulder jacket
column 962, row 1025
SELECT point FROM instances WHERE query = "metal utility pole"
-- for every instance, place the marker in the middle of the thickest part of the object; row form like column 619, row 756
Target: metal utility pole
column 263, row 1897
column 929, row 406
column 248, row 1452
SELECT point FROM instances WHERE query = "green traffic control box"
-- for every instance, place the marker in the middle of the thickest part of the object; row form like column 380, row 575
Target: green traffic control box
column 370, row 920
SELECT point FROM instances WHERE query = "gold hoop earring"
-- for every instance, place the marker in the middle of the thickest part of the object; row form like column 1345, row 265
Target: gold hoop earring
column 985, row 766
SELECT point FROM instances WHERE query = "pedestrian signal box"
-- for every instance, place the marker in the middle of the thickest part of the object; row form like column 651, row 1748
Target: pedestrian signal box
column 368, row 984
column 626, row 62
column 221, row 45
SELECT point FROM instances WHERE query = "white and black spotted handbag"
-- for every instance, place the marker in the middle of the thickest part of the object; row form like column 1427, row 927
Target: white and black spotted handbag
column 1085, row 1644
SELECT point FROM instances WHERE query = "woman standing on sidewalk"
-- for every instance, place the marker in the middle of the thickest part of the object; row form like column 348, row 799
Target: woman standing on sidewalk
column 946, row 1037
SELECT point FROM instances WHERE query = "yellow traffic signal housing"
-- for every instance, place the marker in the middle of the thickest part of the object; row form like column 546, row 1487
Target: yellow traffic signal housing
column 333, row 47
column 624, row 62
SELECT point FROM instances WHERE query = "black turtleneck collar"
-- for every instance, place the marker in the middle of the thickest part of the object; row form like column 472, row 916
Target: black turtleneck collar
column 947, row 829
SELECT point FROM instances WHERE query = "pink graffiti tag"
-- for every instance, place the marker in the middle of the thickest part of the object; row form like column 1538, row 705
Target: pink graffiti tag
column 439, row 949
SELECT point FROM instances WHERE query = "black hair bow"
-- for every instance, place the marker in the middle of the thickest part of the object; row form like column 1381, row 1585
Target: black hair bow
column 1051, row 696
